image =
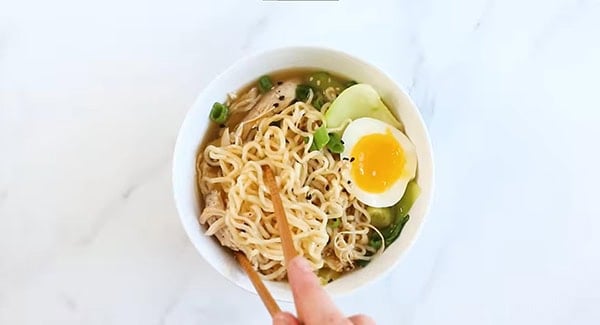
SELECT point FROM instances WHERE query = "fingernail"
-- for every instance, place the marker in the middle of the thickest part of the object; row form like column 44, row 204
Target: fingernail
column 281, row 319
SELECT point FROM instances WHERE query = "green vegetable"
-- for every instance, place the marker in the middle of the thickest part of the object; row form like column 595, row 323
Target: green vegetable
column 401, row 217
column 321, row 137
column 327, row 275
column 219, row 113
column 334, row 223
column 358, row 101
column 322, row 80
column 362, row 263
column 391, row 233
column 265, row 84
column 350, row 83
column 335, row 143
column 302, row 92
column 319, row 101
column 375, row 241
column 408, row 199
column 380, row 217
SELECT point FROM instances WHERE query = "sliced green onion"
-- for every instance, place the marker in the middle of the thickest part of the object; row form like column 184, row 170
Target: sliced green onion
column 335, row 144
column 302, row 92
column 321, row 137
column 312, row 144
column 265, row 84
column 334, row 223
column 219, row 113
column 327, row 275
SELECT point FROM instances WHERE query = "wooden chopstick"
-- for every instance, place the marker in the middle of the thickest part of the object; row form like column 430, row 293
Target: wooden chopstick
column 289, row 251
column 286, row 240
column 262, row 291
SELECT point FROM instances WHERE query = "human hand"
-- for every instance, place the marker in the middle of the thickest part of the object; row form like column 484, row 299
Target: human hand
column 313, row 304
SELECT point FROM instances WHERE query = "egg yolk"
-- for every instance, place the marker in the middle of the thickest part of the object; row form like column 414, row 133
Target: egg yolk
column 378, row 162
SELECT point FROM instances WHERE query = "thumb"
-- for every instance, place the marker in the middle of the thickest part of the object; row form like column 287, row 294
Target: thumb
column 285, row 318
column 313, row 304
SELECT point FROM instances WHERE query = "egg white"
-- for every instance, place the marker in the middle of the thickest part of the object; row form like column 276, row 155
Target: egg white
column 361, row 127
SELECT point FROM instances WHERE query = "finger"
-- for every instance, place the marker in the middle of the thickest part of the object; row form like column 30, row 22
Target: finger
column 313, row 304
column 361, row 320
column 285, row 318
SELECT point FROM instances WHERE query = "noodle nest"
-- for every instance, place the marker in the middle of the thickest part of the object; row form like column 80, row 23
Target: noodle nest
column 329, row 226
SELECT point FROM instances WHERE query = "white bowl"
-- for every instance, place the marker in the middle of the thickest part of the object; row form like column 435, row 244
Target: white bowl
column 249, row 69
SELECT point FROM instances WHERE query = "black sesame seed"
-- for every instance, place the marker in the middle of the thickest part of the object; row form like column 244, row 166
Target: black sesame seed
column 308, row 197
column 342, row 141
column 327, row 187
column 222, row 126
column 352, row 159
column 349, row 182
column 345, row 158
column 281, row 97
column 276, row 105
column 280, row 83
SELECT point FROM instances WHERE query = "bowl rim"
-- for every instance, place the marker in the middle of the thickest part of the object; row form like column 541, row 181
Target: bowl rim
column 243, row 61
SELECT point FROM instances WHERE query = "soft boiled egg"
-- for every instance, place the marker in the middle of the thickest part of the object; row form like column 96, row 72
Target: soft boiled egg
column 382, row 161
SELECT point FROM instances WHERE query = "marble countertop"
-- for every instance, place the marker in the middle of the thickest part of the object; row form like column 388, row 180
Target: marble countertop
column 92, row 96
